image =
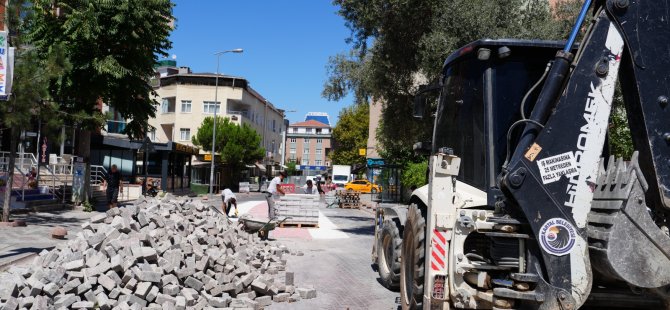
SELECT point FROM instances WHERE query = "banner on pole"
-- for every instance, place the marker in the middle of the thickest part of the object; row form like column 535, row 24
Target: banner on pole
column 4, row 63
column 44, row 152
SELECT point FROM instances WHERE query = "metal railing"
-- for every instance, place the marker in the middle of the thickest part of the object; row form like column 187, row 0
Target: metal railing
column 25, row 161
column 98, row 174
column 241, row 113
column 52, row 189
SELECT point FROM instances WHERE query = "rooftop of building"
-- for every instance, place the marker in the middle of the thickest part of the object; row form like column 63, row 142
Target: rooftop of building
column 309, row 123
column 170, row 75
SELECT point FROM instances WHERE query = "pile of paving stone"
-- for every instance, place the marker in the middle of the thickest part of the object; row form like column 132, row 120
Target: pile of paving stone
column 156, row 254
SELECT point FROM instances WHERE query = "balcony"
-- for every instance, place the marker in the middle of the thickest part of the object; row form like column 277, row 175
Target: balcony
column 242, row 113
column 117, row 127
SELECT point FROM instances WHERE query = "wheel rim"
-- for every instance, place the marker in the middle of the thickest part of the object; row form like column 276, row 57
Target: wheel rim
column 408, row 275
column 384, row 258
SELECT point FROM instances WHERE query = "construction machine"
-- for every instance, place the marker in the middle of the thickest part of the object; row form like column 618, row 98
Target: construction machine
column 525, row 208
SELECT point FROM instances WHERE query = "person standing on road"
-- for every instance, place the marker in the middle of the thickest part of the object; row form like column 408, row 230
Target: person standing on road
column 229, row 199
column 113, row 184
column 309, row 188
column 274, row 191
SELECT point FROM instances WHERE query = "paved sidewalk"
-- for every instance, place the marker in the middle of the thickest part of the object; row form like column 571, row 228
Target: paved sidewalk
column 17, row 243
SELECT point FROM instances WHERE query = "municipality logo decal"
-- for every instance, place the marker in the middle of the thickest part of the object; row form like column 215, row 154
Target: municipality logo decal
column 557, row 236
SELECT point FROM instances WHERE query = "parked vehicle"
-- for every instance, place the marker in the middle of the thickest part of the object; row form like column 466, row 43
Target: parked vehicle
column 341, row 175
column 363, row 186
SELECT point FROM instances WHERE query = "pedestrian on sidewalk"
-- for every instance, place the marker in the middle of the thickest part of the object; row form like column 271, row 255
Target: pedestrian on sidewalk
column 32, row 177
column 274, row 192
column 229, row 199
column 113, row 184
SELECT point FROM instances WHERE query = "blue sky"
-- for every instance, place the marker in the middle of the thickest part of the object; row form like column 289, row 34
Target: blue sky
column 286, row 47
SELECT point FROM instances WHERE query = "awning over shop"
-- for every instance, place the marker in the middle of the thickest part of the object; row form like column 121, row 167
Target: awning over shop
column 261, row 167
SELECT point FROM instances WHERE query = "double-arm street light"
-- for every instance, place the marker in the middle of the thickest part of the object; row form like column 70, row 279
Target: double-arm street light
column 216, row 106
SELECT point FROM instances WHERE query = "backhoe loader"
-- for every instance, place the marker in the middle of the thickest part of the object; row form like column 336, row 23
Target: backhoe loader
column 525, row 208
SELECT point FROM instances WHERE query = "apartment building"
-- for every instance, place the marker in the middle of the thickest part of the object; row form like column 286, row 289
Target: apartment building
column 309, row 141
column 186, row 98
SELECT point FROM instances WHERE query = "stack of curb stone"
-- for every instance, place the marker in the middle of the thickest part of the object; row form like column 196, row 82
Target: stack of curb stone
column 172, row 253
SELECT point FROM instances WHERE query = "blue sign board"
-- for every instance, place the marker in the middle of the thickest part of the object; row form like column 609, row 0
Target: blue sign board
column 320, row 168
column 375, row 162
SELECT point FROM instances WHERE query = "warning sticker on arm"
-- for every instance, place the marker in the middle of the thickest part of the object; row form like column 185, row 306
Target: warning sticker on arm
column 554, row 167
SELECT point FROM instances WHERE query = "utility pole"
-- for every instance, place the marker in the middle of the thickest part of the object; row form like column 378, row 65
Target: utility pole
column 216, row 106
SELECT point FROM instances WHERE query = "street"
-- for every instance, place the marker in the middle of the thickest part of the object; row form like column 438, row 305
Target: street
column 334, row 258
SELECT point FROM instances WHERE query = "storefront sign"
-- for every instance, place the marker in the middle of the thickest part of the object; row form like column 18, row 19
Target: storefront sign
column 319, row 168
column 375, row 162
column 186, row 148
column 208, row 157
column 361, row 152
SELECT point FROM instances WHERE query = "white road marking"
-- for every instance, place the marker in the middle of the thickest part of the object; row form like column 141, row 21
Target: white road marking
column 327, row 229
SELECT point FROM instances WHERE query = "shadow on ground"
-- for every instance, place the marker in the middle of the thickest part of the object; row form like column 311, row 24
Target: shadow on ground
column 20, row 251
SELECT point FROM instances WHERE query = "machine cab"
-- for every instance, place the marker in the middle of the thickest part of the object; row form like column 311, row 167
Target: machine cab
column 482, row 88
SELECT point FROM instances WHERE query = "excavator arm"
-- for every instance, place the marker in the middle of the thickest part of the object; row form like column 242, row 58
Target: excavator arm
column 585, row 211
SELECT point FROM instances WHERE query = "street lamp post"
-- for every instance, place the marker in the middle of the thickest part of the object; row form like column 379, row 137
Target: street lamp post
column 216, row 106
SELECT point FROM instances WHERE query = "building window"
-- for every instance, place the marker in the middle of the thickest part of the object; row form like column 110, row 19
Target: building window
column 319, row 141
column 168, row 105
column 274, row 125
column 210, row 106
column 318, row 152
column 318, row 131
column 318, row 162
column 294, row 129
column 305, row 151
column 152, row 134
column 309, row 130
column 292, row 150
column 293, row 157
column 292, row 140
column 306, row 141
column 305, row 161
column 186, row 106
column 185, row 134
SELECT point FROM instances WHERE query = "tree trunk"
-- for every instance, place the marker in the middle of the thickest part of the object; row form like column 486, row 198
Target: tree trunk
column 10, row 175
column 84, row 151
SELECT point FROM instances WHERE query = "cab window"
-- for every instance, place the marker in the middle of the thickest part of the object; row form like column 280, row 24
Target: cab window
column 460, row 119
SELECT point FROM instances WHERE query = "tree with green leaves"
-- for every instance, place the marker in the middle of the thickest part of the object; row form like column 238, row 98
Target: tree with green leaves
column 30, row 91
column 399, row 44
column 291, row 168
column 238, row 145
column 350, row 134
column 112, row 47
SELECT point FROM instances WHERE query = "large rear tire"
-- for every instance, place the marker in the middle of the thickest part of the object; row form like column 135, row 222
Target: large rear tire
column 388, row 255
column 413, row 254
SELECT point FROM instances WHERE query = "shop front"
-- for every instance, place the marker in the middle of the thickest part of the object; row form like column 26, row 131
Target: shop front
column 168, row 164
